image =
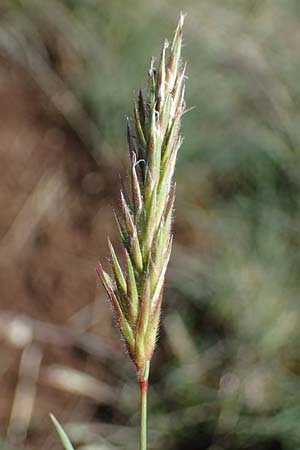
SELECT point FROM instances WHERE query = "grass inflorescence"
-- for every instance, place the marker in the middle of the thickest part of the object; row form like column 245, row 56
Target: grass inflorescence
column 145, row 218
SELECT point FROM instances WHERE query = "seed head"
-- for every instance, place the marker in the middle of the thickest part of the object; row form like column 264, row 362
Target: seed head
column 145, row 217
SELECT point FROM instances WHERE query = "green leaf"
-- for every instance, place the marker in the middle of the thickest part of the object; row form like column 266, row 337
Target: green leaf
column 62, row 434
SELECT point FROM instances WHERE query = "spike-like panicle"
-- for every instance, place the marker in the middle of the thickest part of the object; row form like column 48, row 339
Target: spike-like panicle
column 145, row 219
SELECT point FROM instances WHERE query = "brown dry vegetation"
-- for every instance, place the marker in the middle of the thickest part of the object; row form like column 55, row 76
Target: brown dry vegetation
column 55, row 216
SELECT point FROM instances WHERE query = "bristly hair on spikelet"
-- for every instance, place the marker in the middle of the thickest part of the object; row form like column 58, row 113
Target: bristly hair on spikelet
column 145, row 218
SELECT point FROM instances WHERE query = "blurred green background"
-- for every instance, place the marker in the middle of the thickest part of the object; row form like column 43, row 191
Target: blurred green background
column 226, row 374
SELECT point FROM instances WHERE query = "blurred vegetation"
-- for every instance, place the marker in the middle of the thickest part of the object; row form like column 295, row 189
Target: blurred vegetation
column 227, row 372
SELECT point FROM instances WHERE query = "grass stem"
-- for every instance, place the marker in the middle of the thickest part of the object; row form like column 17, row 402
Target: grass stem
column 144, row 394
